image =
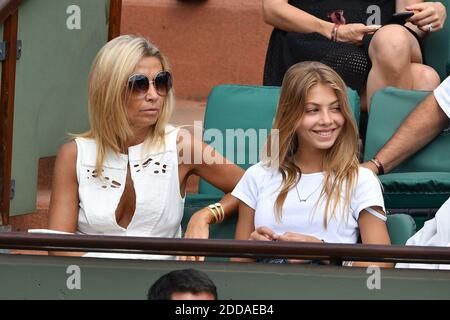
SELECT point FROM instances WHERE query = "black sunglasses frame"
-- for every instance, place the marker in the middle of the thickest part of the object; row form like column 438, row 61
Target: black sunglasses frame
column 140, row 83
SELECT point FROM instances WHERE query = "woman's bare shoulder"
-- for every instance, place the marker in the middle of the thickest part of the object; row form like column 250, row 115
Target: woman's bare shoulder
column 68, row 151
column 187, row 147
column 185, row 138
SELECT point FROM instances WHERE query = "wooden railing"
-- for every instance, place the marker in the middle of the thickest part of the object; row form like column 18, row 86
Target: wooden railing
column 7, row 8
column 115, row 14
column 9, row 16
column 225, row 248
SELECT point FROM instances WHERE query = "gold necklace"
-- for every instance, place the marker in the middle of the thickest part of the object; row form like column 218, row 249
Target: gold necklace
column 306, row 199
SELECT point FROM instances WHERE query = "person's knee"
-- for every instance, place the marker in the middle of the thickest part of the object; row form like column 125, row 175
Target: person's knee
column 390, row 47
column 425, row 78
column 431, row 78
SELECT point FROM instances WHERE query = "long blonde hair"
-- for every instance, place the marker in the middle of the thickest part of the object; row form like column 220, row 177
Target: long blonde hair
column 109, row 95
column 340, row 162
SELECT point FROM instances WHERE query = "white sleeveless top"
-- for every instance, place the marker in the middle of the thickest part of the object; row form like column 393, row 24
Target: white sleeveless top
column 159, row 205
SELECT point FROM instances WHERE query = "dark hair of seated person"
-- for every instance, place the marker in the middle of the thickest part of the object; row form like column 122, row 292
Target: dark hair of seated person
column 195, row 284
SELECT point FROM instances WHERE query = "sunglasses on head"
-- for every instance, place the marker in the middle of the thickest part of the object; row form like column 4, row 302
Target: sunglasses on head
column 140, row 83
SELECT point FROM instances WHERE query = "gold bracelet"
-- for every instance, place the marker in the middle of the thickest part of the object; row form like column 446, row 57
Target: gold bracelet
column 218, row 212
column 213, row 211
column 222, row 217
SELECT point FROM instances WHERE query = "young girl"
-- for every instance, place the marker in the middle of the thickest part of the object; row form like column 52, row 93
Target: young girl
column 313, row 189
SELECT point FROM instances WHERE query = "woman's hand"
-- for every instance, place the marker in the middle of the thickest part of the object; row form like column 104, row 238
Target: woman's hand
column 353, row 33
column 198, row 228
column 263, row 234
column 428, row 16
column 267, row 234
column 298, row 237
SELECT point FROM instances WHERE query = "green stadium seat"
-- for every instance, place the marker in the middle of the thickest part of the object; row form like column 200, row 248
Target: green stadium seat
column 239, row 107
column 422, row 181
column 401, row 227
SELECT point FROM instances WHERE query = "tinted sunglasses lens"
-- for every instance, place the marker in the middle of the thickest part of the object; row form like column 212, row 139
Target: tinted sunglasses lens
column 163, row 82
column 138, row 83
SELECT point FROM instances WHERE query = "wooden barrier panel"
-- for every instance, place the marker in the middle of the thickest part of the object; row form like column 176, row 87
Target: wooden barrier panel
column 42, row 277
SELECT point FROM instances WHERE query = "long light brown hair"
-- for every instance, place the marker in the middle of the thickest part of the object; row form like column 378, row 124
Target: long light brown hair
column 109, row 96
column 340, row 163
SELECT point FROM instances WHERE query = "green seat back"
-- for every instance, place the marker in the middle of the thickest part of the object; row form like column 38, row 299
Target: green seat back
column 422, row 181
column 233, row 107
column 246, row 111
column 437, row 47
column 401, row 227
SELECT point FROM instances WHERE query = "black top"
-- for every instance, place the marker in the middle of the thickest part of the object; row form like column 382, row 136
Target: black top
column 349, row 61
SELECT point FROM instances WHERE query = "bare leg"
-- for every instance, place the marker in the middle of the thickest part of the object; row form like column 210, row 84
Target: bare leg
column 396, row 57
column 424, row 77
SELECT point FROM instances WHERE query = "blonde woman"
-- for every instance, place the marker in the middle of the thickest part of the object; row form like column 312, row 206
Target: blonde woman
column 313, row 189
column 125, row 176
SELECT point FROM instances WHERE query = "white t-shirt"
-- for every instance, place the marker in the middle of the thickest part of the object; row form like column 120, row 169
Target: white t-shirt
column 260, row 186
column 442, row 95
column 435, row 232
